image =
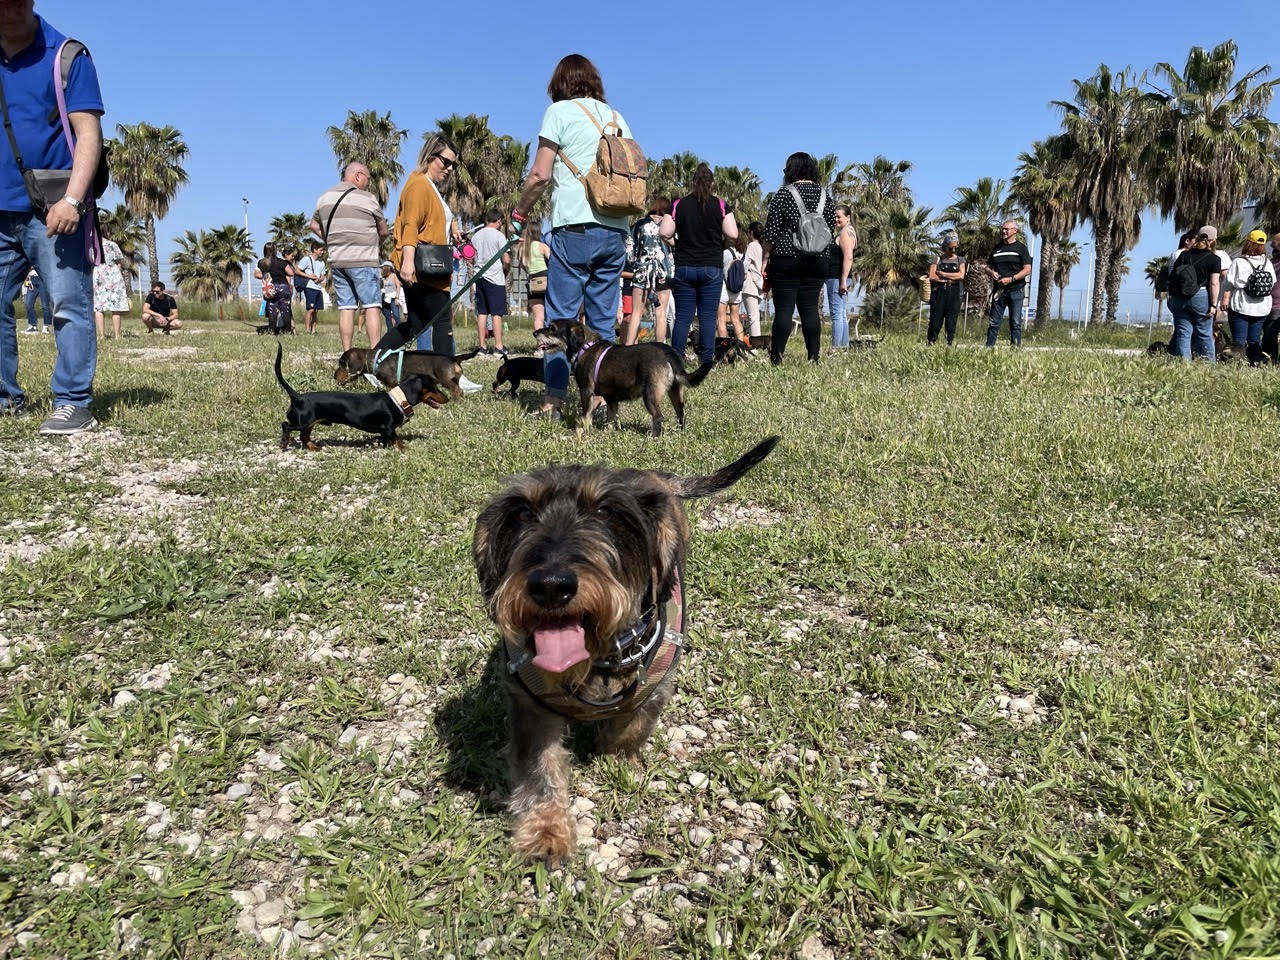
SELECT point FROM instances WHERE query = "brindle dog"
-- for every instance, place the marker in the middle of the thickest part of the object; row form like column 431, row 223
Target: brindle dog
column 581, row 568
column 442, row 372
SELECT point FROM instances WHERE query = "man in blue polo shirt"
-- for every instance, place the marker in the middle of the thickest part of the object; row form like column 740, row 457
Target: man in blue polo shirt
column 52, row 241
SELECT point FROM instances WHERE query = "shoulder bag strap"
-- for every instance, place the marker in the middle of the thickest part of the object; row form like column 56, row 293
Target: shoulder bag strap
column 577, row 174
column 329, row 222
column 8, row 129
column 583, row 107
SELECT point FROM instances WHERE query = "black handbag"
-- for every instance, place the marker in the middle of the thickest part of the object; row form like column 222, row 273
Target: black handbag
column 433, row 261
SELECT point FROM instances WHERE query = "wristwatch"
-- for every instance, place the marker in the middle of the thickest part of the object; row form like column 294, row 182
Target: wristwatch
column 76, row 205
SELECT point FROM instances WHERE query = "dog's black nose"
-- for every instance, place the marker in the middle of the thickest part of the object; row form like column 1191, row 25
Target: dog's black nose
column 552, row 588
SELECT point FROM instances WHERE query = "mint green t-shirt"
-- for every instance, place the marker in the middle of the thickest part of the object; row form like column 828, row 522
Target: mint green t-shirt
column 565, row 125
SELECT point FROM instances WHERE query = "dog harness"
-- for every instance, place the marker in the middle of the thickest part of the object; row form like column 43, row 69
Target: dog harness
column 651, row 648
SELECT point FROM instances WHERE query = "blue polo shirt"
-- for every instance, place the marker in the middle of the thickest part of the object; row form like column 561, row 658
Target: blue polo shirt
column 29, row 90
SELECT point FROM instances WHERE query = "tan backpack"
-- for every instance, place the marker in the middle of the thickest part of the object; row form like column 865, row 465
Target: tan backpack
column 615, row 185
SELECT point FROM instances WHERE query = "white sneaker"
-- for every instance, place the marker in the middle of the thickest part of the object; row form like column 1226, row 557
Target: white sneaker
column 468, row 386
column 31, row 330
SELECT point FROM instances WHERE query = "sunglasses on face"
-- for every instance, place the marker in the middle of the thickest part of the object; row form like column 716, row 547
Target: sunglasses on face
column 446, row 162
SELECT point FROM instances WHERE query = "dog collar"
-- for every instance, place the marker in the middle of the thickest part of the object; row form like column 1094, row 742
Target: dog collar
column 400, row 400
column 651, row 647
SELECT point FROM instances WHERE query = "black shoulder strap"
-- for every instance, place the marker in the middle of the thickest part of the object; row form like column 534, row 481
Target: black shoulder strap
column 329, row 222
column 8, row 129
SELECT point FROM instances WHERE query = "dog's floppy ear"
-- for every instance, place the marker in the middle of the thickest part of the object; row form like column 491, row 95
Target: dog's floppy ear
column 495, row 538
column 341, row 376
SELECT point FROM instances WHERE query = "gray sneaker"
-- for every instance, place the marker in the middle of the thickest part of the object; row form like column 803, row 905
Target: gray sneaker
column 66, row 420
column 18, row 410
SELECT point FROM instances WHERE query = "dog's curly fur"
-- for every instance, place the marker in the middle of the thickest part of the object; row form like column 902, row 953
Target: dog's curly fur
column 608, row 541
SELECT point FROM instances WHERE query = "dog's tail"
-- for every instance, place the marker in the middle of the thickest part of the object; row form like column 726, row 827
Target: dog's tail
column 246, row 323
column 725, row 477
column 293, row 394
column 458, row 358
column 695, row 378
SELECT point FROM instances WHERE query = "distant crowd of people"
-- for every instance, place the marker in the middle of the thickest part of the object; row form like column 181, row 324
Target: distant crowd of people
column 599, row 260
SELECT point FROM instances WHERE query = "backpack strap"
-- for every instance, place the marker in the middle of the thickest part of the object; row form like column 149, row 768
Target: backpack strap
column 592, row 117
column 822, row 200
column 795, row 195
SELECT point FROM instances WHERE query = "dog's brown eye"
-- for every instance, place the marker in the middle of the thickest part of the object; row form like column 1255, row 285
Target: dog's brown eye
column 526, row 515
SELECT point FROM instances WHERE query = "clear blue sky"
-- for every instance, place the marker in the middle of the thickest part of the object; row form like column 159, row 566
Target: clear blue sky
column 957, row 89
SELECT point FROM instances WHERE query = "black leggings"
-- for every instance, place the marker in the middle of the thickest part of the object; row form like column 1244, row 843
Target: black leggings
column 424, row 303
column 797, row 284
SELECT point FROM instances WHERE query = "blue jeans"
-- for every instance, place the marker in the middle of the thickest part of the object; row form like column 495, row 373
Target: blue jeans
column 555, row 370
column 839, row 315
column 697, row 289
column 1192, row 326
column 584, row 267
column 68, row 278
column 38, row 290
column 1245, row 329
column 1012, row 298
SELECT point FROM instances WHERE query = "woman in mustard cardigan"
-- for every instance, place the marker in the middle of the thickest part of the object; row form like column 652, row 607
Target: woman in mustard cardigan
column 424, row 217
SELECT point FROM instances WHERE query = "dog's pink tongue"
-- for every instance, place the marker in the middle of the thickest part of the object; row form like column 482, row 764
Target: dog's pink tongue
column 560, row 645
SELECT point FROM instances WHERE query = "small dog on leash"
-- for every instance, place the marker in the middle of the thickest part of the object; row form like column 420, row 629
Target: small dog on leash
column 442, row 372
column 582, row 570
column 642, row 371
column 380, row 413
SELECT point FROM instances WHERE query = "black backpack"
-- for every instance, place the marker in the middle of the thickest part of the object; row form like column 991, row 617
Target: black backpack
column 1184, row 278
column 1260, row 282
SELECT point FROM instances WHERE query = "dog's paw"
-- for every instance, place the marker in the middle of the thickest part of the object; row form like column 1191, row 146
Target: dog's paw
column 545, row 833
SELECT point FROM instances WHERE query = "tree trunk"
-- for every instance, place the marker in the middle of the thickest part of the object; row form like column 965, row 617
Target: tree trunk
column 1062, row 292
column 1114, row 276
column 153, row 260
column 1044, row 292
column 1102, row 250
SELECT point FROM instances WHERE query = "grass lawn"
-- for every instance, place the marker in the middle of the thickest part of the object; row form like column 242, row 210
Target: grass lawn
column 984, row 664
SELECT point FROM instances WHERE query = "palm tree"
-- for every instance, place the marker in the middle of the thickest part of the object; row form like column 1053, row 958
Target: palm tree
column 130, row 235
column 739, row 187
column 837, row 179
column 375, row 141
column 976, row 215
column 670, row 176
column 894, row 247
column 196, row 270
column 1068, row 259
column 1216, row 146
column 1152, row 272
column 289, row 231
column 146, row 164
column 1124, row 237
column 871, row 184
column 1109, row 126
column 230, row 247
column 1042, row 186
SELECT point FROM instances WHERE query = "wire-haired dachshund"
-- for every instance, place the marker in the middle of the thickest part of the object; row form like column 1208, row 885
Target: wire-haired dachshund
column 379, row 413
column 441, row 372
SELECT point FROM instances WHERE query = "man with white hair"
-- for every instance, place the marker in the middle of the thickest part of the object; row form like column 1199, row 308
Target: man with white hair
column 1009, row 267
column 349, row 220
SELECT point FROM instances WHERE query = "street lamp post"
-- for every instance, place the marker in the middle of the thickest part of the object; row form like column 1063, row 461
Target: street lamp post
column 248, row 274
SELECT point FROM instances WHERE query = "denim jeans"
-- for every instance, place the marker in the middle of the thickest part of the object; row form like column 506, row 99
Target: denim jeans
column 584, row 267
column 1192, row 326
column 555, row 370
column 29, row 299
column 68, row 278
column 1245, row 329
column 839, row 315
column 1011, row 298
column 697, row 289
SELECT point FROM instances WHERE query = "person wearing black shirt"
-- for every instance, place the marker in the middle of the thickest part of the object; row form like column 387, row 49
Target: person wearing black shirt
column 796, row 277
column 946, row 280
column 279, row 273
column 1009, row 267
column 160, row 311
column 700, row 223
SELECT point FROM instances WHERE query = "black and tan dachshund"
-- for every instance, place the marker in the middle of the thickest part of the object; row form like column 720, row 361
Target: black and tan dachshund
column 378, row 413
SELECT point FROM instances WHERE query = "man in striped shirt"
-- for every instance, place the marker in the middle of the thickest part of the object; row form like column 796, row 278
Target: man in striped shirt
column 349, row 220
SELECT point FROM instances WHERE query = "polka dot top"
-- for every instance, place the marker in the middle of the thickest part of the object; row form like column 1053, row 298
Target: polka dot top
column 783, row 216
